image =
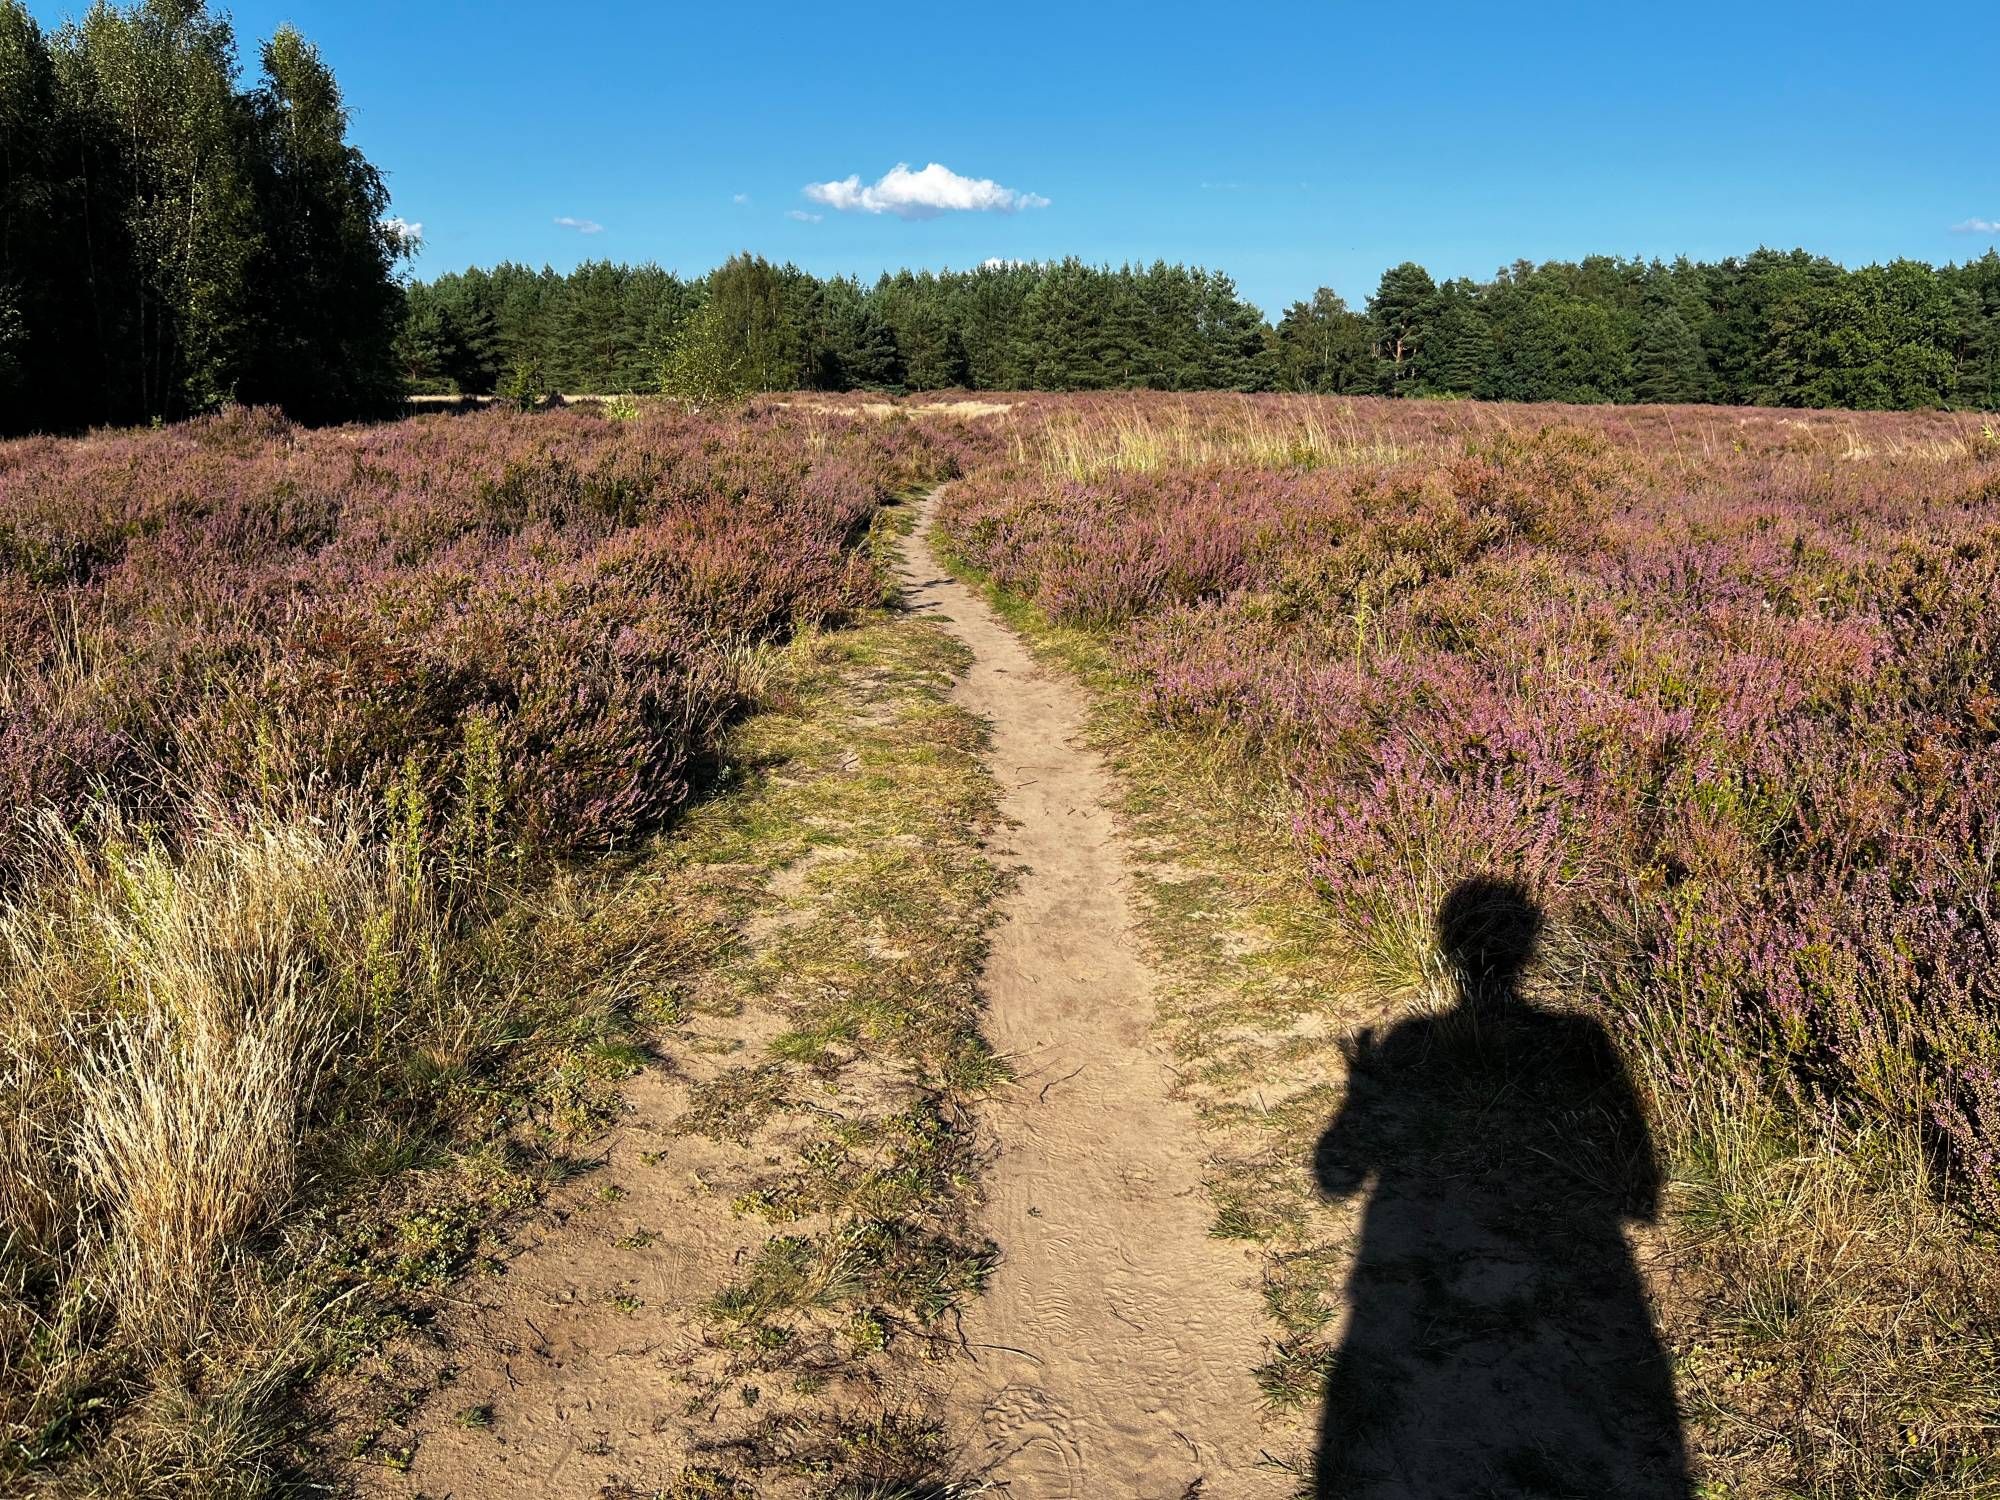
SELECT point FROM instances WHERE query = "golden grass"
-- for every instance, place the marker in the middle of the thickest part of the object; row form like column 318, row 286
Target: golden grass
column 1299, row 433
column 188, row 1135
column 167, row 1017
column 167, row 1014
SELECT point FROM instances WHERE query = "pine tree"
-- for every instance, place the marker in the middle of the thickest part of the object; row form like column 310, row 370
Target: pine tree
column 589, row 328
column 1168, row 302
column 428, row 345
column 1130, row 351
column 1457, row 354
column 993, row 311
column 867, row 355
column 933, row 357
column 1061, row 331
column 473, row 303
column 1235, row 356
column 1399, row 310
column 1668, row 365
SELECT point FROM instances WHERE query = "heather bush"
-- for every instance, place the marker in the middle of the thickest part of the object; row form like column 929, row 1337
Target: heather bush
column 1723, row 689
column 236, row 608
column 299, row 732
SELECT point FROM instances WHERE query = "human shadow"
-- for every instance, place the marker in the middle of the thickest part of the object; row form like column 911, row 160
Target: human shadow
column 1499, row 1342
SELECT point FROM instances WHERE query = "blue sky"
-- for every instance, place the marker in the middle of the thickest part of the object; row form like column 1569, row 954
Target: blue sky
column 1291, row 145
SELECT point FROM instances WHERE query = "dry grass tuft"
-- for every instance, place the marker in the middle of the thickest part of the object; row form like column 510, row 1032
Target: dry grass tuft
column 188, row 1134
column 169, row 1014
column 1834, row 1320
column 170, row 1018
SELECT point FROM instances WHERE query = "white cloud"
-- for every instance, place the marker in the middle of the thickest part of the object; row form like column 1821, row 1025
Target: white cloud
column 412, row 235
column 1001, row 263
column 1977, row 226
column 921, row 195
column 581, row 226
column 802, row 216
column 739, row 199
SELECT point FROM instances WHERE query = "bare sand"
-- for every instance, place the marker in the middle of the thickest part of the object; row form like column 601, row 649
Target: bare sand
column 1112, row 1354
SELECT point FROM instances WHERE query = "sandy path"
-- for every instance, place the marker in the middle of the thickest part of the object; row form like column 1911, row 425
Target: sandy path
column 1113, row 1351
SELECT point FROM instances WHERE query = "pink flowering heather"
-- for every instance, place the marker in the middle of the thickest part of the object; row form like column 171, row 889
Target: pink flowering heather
column 1722, row 687
column 241, row 608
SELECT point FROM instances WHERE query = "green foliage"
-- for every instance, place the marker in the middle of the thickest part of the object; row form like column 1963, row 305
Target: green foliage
column 1668, row 364
column 754, row 326
column 852, row 344
column 1322, row 347
column 746, row 336
column 13, row 339
column 1232, row 352
column 868, row 355
column 1772, row 328
column 173, row 241
column 700, row 365
column 1459, row 351
column 433, row 350
column 752, row 309
column 1401, row 312
column 1064, row 338
column 1878, row 337
column 1557, row 349
column 524, row 386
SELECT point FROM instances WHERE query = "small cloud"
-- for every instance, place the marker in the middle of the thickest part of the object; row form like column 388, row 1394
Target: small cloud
column 741, row 200
column 581, row 226
column 412, row 235
column 1001, row 263
column 921, row 195
column 1977, row 226
column 802, row 216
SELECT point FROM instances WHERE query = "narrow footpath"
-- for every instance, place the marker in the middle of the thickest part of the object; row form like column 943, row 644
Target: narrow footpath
column 1112, row 1353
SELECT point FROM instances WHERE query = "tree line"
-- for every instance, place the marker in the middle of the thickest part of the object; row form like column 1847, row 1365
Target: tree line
column 1772, row 328
column 752, row 325
column 172, row 240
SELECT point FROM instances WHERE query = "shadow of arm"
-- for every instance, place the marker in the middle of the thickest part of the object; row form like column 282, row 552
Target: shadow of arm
column 1343, row 1158
column 1640, row 1161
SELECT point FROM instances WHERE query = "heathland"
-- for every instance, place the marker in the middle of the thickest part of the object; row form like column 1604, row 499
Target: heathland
column 1712, row 696
column 1464, row 957
column 1253, row 915
column 330, row 760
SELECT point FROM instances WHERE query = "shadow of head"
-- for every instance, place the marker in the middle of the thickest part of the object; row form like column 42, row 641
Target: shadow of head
column 1487, row 929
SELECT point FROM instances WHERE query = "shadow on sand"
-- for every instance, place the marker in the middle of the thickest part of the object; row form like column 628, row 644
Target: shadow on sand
column 1499, row 1342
